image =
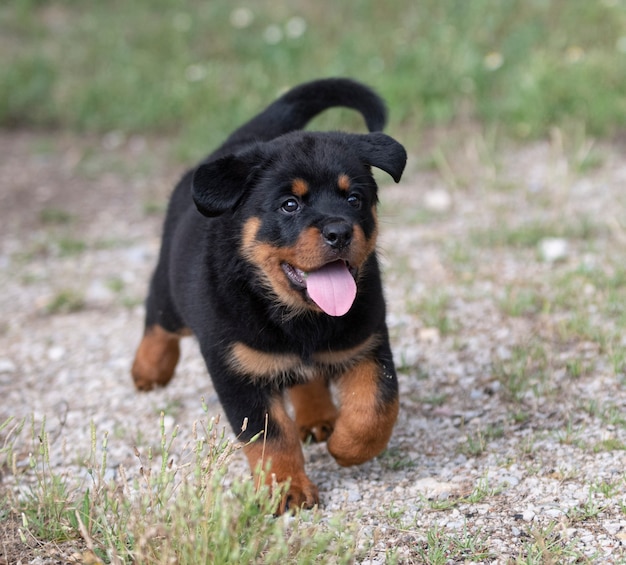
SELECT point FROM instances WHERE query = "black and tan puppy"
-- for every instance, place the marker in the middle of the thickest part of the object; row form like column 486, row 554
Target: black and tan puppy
column 269, row 259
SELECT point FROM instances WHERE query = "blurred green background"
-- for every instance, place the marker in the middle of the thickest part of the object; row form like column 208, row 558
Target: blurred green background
column 195, row 69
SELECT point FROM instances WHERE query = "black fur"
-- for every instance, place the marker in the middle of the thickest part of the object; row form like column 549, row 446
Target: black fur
column 205, row 282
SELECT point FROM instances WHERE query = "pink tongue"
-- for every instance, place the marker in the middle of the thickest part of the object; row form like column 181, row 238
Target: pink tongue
column 332, row 288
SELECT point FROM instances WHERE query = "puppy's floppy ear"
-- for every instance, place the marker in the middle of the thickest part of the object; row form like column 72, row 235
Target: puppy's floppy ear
column 217, row 186
column 382, row 152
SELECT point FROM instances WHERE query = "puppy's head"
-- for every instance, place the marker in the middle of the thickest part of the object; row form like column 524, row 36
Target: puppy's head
column 307, row 203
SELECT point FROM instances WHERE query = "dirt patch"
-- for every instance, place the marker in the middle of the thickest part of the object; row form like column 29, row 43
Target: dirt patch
column 511, row 426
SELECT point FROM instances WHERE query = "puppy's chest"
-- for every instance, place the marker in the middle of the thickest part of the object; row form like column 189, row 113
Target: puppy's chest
column 263, row 366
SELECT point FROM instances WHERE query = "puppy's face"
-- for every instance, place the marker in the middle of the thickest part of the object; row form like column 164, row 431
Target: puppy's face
column 309, row 218
column 310, row 231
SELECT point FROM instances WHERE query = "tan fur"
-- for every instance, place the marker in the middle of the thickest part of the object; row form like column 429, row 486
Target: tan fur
column 307, row 254
column 299, row 187
column 345, row 357
column 343, row 182
column 156, row 358
column 261, row 366
column 285, row 460
column 364, row 425
column 314, row 408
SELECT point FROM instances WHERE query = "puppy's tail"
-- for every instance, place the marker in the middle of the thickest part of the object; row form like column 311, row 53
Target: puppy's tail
column 296, row 108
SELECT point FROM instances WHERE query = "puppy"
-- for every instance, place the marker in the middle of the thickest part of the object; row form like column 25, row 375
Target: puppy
column 269, row 258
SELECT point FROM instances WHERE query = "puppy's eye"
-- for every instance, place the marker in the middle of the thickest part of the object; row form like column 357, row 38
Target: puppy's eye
column 290, row 206
column 355, row 200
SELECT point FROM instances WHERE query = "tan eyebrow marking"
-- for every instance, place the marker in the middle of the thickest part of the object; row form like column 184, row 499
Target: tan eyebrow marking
column 343, row 182
column 299, row 187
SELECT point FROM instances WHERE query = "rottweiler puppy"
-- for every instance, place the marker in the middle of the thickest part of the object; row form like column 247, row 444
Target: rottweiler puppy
column 268, row 257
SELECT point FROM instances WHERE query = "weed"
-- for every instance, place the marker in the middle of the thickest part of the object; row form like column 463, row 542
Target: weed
column 68, row 246
column 65, row 302
column 433, row 311
column 547, row 545
column 522, row 301
column 480, row 492
column 395, row 459
column 115, row 284
column 435, row 399
column 55, row 216
column 130, row 302
column 441, row 547
column 10, row 429
column 153, row 208
column 590, row 509
column 45, row 511
column 524, row 371
column 570, row 435
column 611, row 444
column 608, row 489
column 577, row 368
column 475, row 444
column 172, row 512
column 394, row 513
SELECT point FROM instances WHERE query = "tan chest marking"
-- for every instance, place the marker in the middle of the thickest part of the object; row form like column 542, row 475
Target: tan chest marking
column 262, row 366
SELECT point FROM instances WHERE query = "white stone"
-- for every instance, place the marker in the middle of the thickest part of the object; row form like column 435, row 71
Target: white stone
column 55, row 353
column 438, row 200
column 553, row 249
column 7, row 366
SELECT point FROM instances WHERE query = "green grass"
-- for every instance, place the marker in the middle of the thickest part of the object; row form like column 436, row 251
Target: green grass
column 433, row 311
column 169, row 513
column 65, row 301
column 525, row 371
column 476, row 443
column 440, row 547
column 196, row 69
column 55, row 216
column 530, row 233
column 521, row 301
column 546, row 545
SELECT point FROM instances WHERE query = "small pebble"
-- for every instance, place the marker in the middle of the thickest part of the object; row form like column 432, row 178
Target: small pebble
column 7, row 366
column 56, row 353
column 438, row 200
column 553, row 249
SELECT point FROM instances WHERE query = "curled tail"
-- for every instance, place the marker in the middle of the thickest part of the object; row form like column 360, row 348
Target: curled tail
column 296, row 108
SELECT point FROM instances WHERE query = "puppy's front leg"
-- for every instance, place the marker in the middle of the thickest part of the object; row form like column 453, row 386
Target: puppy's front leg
column 280, row 448
column 369, row 408
column 314, row 408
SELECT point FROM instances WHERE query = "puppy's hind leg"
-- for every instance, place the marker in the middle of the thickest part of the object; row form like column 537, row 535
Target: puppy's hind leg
column 156, row 358
column 159, row 350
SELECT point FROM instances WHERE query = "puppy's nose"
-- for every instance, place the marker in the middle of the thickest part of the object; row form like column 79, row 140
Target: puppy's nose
column 337, row 234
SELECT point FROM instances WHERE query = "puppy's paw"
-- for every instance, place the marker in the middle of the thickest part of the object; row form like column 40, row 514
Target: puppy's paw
column 349, row 450
column 357, row 438
column 302, row 493
column 317, row 431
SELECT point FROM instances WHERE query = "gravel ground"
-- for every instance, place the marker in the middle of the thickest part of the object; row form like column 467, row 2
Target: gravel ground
column 470, row 459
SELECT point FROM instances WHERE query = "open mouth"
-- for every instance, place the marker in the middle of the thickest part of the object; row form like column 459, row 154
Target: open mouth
column 332, row 287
